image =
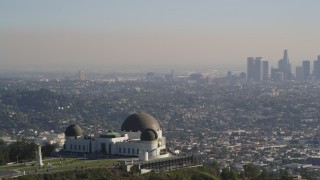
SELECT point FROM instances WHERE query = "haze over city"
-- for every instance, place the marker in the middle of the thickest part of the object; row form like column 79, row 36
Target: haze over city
column 142, row 35
column 170, row 89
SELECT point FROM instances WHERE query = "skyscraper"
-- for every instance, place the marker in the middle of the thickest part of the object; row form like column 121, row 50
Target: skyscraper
column 285, row 56
column 306, row 70
column 316, row 68
column 284, row 66
column 265, row 70
column 257, row 69
column 299, row 73
column 81, row 76
column 276, row 75
column 250, row 68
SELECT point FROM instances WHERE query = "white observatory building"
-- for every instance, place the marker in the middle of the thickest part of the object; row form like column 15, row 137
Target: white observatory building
column 140, row 136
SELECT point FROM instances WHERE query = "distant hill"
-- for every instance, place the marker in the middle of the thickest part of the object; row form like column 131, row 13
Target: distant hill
column 43, row 109
column 26, row 109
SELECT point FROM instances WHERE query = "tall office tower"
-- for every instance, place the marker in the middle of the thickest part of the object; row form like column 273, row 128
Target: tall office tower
column 265, row 70
column 306, row 70
column 250, row 68
column 276, row 75
column 284, row 66
column 285, row 56
column 256, row 69
column 300, row 73
column 81, row 76
column 316, row 68
column 287, row 73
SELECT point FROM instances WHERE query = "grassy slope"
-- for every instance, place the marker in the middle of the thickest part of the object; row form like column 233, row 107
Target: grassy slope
column 109, row 173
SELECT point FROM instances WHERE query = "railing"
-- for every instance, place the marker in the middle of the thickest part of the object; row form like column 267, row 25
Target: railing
column 171, row 163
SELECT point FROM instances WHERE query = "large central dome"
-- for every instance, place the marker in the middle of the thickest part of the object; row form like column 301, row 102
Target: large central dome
column 139, row 122
column 73, row 130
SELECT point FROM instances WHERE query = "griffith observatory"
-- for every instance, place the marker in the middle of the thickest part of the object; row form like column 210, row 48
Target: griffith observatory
column 140, row 136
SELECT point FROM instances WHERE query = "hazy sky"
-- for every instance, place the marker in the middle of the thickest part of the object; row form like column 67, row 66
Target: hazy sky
column 140, row 34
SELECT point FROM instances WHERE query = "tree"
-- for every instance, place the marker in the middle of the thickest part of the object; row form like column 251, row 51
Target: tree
column 285, row 175
column 228, row 174
column 215, row 168
column 251, row 171
column 22, row 150
column 265, row 175
column 4, row 157
column 47, row 149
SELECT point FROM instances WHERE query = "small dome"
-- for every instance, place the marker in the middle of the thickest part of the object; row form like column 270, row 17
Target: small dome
column 148, row 135
column 139, row 122
column 73, row 130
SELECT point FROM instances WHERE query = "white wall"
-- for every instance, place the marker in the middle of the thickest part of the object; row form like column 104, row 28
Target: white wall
column 128, row 147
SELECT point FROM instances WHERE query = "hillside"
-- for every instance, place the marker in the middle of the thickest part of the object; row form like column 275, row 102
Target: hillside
column 107, row 173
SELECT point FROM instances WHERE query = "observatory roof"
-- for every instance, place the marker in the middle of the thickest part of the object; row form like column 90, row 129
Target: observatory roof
column 139, row 122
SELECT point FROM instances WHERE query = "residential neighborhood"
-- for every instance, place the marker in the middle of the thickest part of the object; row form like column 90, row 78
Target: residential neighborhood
column 271, row 124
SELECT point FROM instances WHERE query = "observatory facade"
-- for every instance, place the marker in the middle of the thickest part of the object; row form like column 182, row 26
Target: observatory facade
column 140, row 136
